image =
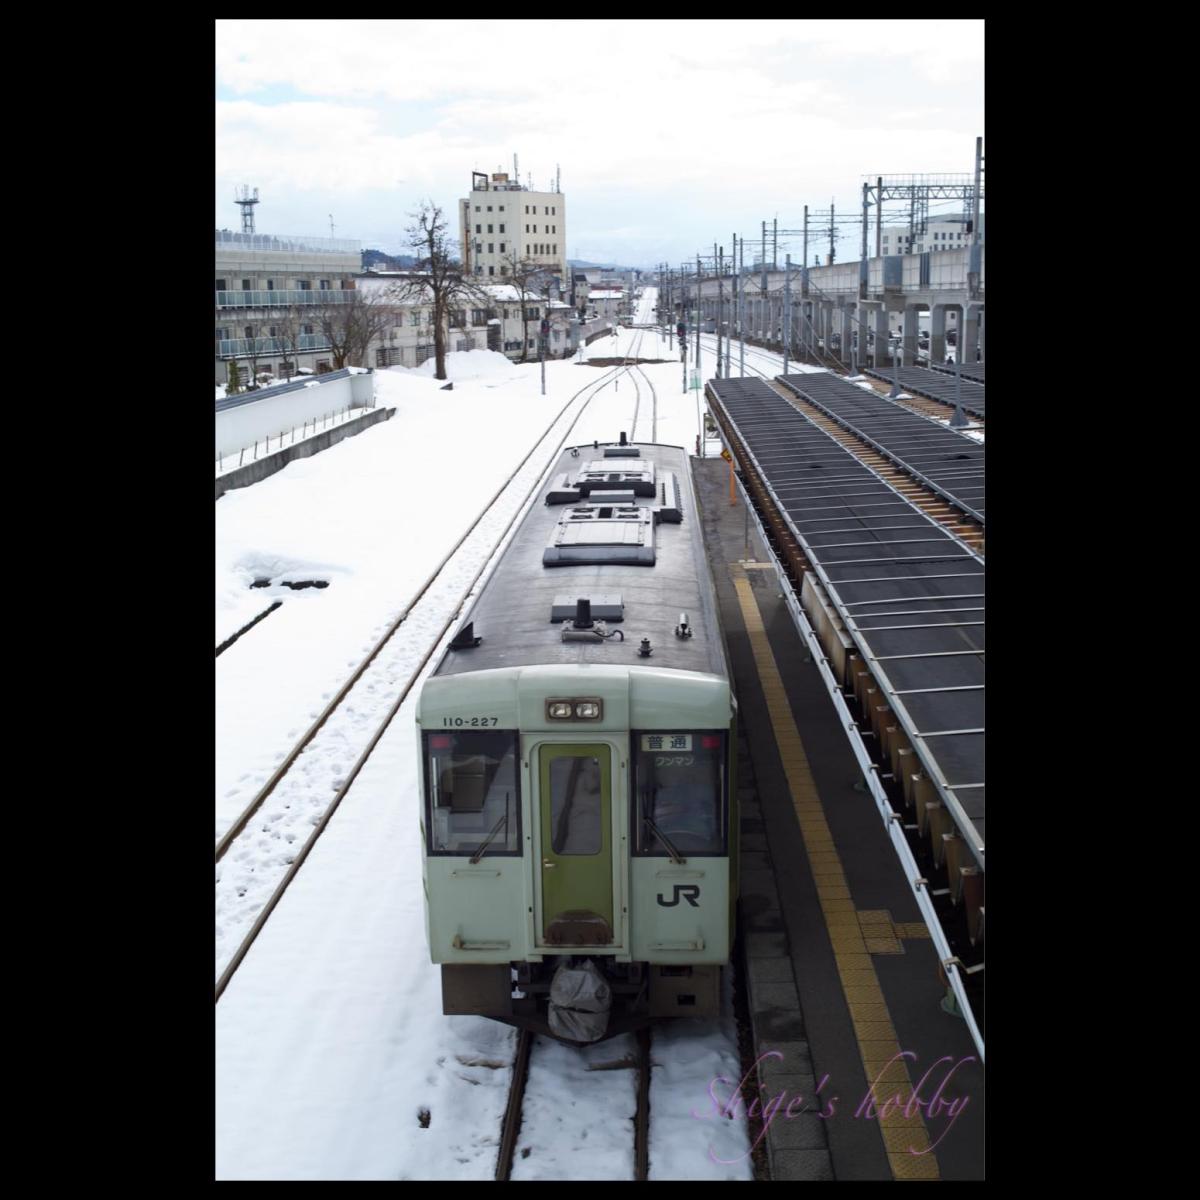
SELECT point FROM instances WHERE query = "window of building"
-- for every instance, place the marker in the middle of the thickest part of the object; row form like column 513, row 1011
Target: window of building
column 501, row 247
column 535, row 229
column 478, row 228
column 491, row 270
column 478, row 247
column 477, row 208
column 547, row 208
column 501, row 228
column 554, row 210
column 221, row 285
column 222, row 335
column 305, row 285
column 478, row 269
column 503, row 270
column 490, row 229
column 526, row 228
column 287, row 369
column 270, row 285
column 248, row 331
column 381, row 358
column 245, row 285
column 274, row 331
column 324, row 285
column 399, row 322
column 323, row 367
column 532, row 314
column 491, row 247
column 489, row 208
column 308, row 329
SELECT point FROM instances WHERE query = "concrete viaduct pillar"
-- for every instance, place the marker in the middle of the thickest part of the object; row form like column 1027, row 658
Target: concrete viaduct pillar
column 937, row 334
column 847, row 332
column 969, row 338
column 912, row 324
column 877, row 322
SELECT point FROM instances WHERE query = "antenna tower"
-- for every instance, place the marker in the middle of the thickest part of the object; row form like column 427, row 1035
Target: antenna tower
column 247, row 200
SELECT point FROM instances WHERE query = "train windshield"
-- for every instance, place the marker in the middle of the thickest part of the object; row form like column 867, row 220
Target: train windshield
column 679, row 782
column 471, row 792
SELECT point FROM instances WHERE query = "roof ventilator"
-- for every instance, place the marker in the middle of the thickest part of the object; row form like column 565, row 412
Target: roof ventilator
column 644, row 650
column 683, row 629
column 584, row 629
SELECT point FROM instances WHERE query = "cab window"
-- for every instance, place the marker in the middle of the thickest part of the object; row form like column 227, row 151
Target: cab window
column 472, row 796
column 679, row 790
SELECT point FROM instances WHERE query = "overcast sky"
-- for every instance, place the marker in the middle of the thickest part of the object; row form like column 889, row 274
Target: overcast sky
column 670, row 135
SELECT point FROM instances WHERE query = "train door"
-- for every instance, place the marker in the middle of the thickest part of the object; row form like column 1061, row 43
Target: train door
column 575, row 800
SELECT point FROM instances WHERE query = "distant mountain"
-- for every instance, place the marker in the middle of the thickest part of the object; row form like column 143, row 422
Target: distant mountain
column 377, row 260
column 578, row 262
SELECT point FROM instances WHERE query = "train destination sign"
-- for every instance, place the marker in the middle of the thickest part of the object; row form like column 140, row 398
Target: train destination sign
column 666, row 741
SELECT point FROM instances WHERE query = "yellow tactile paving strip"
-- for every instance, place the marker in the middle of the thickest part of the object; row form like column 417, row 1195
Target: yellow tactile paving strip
column 854, row 935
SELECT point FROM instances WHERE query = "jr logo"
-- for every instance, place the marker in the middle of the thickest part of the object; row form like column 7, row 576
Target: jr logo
column 683, row 891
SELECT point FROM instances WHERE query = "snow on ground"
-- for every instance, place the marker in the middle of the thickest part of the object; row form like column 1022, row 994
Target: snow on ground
column 330, row 1043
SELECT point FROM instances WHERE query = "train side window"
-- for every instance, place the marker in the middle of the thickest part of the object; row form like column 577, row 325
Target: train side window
column 679, row 783
column 472, row 792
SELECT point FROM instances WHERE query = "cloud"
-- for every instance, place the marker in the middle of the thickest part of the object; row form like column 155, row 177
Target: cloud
column 669, row 125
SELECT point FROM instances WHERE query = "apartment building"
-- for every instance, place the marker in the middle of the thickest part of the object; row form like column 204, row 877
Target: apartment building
column 265, row 285
column 501, row 219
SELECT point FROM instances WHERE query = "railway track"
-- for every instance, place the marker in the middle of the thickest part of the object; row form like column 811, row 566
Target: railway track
column 295, row 804
column 634, row 371
column 514, row 1125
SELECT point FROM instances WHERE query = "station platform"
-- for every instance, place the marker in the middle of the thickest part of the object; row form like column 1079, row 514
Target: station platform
column 841, row 977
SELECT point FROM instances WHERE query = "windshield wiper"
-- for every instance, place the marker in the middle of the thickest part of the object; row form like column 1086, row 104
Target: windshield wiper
column 490, row 837
column 676, row 857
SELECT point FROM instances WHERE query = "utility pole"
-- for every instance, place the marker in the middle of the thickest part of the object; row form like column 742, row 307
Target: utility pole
column 720, row 305
column 670, row 315
column 733, row 295
column 542, row 349
column 862, row 266
column 742, row 308
column 878, row 216
column 764, row 248
column 974, row 260
column 775, row 244
column 832, row 251
column 787, row 311
column 696, row 368
column 804, row 285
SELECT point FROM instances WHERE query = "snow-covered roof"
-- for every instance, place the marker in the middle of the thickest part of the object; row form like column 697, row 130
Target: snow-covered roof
column 605, row 295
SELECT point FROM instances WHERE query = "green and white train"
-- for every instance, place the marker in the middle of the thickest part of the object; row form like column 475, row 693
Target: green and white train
column 577, row 742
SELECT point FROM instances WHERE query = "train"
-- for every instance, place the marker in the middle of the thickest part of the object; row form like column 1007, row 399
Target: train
column 578, row 742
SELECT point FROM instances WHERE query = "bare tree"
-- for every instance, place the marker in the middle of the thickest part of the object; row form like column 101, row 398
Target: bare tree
column 351, row 323
column 439, row 279
column 289, row 325
column 526, row 276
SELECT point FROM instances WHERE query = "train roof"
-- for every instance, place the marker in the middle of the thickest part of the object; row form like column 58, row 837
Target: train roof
column 619, row 526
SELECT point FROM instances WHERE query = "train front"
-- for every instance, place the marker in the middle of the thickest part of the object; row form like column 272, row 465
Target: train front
column 578, row 842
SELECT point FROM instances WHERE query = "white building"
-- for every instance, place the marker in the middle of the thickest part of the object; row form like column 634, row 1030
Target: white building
column 607, row 304
column 500, row 219
column 940, row 233
column 265, row 284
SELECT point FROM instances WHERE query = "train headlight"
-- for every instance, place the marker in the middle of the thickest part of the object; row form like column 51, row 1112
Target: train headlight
column 583, row 710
